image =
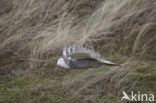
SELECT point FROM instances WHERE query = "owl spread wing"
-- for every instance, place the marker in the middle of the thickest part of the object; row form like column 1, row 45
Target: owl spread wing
column 79, row 52
column 65, row 51
column 84, row 57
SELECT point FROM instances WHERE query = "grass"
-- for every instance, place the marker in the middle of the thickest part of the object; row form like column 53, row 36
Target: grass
column 30, row 89
column 33, row 33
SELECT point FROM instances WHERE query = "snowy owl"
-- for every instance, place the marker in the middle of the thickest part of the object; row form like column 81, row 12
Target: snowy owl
column 78, row 57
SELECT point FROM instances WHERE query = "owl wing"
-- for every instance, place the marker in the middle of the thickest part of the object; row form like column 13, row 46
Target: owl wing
column 79, row 52
column 65, row 51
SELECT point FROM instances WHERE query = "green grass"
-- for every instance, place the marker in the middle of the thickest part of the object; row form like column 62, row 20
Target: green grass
column 34, row 88
column 30, row 89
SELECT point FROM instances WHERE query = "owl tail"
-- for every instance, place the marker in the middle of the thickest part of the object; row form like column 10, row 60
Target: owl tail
column 106, row 62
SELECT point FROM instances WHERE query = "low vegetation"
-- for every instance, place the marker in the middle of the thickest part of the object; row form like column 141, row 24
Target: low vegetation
column 33, row 33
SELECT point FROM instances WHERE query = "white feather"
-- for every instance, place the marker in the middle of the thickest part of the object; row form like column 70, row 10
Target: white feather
column 62, row 63
column 79, row 50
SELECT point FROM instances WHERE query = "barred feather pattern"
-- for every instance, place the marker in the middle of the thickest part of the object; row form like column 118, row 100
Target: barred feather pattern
column 93, row 61
column 69, row 50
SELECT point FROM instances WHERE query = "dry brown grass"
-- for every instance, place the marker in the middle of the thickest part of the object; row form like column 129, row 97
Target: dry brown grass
column 92, row 84
column 33, row 33
column 41, row 27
